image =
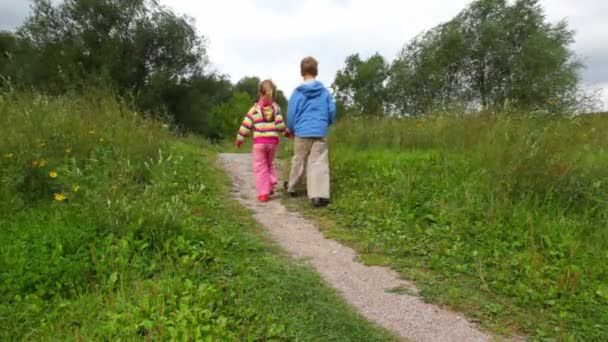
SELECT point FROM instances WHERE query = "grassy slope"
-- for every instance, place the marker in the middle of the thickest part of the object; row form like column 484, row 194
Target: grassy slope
column 141, row 246
column 504, row 219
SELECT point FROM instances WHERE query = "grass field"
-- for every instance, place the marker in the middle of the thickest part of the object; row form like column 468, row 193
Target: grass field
column 502, row 217
column 113, row 229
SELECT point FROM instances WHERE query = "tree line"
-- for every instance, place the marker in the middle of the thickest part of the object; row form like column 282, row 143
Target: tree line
column 491, row 56
column 138, row 48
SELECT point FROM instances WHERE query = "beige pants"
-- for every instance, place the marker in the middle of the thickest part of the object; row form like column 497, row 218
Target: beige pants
column 311, row 153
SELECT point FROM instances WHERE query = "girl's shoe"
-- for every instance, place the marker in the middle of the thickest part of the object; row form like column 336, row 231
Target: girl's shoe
column 263, row 198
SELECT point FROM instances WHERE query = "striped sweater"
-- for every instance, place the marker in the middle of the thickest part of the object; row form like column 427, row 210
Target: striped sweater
column 265, row 122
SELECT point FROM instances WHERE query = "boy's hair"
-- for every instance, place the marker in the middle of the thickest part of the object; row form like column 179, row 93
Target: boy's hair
column 309, row 67
column 267, row 88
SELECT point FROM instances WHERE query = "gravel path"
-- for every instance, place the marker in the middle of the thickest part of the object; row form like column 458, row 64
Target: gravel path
column 364, row 287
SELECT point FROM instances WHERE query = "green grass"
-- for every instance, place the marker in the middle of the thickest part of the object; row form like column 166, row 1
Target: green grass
column 131, row 240
column 502, row 217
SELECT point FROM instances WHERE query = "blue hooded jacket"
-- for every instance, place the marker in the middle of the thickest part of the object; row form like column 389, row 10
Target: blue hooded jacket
column 311, row 111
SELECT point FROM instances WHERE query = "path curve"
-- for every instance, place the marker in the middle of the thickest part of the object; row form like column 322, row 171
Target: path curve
column 364, row 287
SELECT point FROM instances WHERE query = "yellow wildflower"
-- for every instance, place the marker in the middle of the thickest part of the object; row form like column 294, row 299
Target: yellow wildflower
column 76, row 188
column 42, row 163
column 53, row 174
column 68, row 150
column 8, row 155
column 92, row 131
column 59, row 197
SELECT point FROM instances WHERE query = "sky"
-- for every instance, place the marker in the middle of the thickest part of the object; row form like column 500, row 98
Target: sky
column 268, row 38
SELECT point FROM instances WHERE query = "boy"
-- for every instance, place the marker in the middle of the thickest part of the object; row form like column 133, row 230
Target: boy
column 310, row 112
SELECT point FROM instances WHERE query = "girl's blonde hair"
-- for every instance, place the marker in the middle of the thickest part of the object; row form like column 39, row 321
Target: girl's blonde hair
column 267, row 89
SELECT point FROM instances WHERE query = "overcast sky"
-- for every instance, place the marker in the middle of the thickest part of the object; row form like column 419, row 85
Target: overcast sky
column 268, row 38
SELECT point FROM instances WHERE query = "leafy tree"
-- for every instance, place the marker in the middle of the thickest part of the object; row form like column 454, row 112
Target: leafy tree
column 190, row 102
column 428, row 73
column 492, row 55
column 137, row 47
column 281, row 100
column 360, row 86
column 250, row 86
column 16, row 58
column 227, row 116
column 123, row 41
column 8, row 47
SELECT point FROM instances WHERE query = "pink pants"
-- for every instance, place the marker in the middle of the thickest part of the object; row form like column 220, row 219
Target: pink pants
column 263, row 167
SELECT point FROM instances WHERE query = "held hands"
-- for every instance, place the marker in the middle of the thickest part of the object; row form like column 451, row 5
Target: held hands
column 288, row 133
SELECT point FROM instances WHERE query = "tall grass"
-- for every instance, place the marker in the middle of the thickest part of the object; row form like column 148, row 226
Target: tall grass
column 113, row 229
column 502, row 216
column 69, row 135
column 523, row 154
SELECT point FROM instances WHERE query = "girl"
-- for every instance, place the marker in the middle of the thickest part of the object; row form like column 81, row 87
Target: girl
column 266, row 122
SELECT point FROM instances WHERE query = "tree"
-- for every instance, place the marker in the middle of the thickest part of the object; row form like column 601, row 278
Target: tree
column 228, row 116
column 492, row 55
column 250, row 86
column 125, row 42
column 8, row 47
column 360, row 86
column 137, row 47
column 189, row 102
column 281, row 100
column 544, row 70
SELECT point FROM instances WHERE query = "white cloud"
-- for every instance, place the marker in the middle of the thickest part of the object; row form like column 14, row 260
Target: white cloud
column 249, row 37
column 268, row 38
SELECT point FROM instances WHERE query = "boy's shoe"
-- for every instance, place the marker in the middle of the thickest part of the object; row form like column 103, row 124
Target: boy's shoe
column 286, row 188
column 263, row 198
column 320, row 202
column 272, row 188
column 292, row 194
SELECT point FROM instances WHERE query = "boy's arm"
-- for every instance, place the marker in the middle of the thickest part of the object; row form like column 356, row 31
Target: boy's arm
column 331, row 109
column 292, row 109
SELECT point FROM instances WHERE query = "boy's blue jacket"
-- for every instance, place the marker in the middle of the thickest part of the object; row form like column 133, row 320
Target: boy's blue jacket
column 311, row 111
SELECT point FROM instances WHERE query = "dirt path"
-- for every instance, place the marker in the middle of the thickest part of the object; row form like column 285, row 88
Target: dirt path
column 362, row 286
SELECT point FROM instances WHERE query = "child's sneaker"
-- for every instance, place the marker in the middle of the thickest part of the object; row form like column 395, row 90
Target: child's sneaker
column 286, row 188
column 263, row 198
column 320, row 202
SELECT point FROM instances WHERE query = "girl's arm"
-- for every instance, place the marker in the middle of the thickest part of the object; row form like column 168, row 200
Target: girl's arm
column 246, row 127
column 279, row 123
